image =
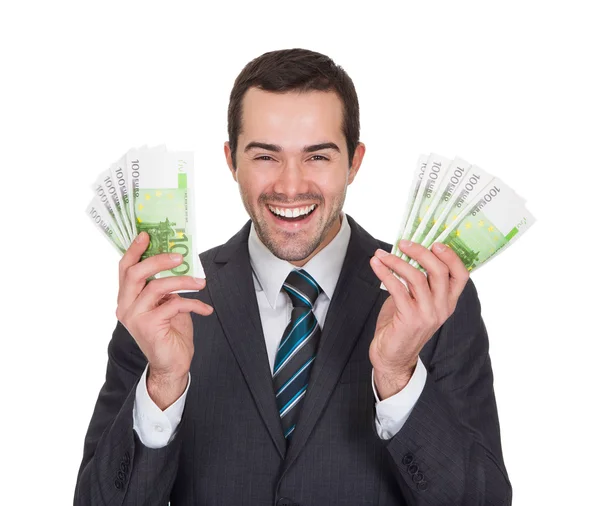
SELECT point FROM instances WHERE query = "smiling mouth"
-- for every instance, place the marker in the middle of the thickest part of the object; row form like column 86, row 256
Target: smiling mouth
column 300, row 217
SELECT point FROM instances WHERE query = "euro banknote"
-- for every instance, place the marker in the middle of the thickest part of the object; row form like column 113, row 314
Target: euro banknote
column 471, row 185
column 412, row 195
column 150, row 190
column 436, row 167
column 461, row 205
column 435, row 208
column 99, row 215
column 496, row 218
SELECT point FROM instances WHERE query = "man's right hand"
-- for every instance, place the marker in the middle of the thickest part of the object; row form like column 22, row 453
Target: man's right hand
column 158, row 320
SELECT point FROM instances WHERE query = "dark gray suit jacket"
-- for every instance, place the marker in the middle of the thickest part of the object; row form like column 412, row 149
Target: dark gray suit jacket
column 229, row 448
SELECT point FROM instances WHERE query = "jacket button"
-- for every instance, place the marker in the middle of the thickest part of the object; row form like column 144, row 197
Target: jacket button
column 422, row 485
column 413, row 468
column 418, row 477
column 118, row 484
column 408, row 459
column 124, row 467
column 120, row 475
column 127, row 458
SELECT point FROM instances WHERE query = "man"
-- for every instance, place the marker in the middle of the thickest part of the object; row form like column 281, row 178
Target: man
column 290, row 376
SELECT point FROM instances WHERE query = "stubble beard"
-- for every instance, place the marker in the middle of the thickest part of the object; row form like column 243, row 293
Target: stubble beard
column 291, row 246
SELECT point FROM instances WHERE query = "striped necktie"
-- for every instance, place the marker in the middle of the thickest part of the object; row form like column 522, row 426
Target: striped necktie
column 297, row 349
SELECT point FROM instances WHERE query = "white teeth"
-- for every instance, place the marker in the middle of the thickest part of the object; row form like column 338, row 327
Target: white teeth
column 292, row 213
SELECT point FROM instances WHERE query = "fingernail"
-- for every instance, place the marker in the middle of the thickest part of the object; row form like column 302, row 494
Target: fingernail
column 439, row 247
column 381, row 253
column 140, row 237
column 376, row 261
column 176, row 257
column 200, row 281
column 405, row 244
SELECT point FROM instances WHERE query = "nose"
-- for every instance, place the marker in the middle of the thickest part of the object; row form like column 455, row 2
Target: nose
column 291, row 180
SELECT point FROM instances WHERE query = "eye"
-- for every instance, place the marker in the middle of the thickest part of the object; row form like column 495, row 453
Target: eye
column 319, row 156
column 263, row 157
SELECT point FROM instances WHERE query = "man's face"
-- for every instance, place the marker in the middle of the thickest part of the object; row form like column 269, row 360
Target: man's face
column 292, row 155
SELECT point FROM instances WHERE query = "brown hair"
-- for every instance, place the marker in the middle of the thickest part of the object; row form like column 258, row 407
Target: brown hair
column 299, row 70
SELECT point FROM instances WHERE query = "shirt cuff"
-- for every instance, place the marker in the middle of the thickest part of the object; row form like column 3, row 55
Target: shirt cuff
column 392, row 413
column 156, row 428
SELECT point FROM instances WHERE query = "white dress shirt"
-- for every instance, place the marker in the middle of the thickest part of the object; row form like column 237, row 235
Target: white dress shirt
column 156, row 428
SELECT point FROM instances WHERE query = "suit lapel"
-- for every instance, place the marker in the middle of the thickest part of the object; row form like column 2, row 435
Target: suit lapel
column 230, row 284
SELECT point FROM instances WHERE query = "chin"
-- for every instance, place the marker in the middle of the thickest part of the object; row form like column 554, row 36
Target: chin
column 291, row 250
column 291, row 254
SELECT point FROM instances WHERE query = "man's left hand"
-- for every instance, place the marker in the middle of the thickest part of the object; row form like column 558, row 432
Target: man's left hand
column 410, row 316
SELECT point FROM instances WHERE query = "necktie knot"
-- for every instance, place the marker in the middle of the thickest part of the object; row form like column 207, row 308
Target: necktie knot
column 302, row 288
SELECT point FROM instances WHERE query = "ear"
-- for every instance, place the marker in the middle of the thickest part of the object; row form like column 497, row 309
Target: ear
column 359, row 152
column 227, row 150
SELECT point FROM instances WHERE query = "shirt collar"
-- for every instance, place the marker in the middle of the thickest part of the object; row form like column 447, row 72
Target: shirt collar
column 325, row 267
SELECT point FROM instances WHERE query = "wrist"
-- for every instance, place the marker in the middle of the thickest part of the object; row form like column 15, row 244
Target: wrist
column 390, row 383
column 165, row 389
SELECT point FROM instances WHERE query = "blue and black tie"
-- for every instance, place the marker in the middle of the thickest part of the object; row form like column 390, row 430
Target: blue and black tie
column 297, row 349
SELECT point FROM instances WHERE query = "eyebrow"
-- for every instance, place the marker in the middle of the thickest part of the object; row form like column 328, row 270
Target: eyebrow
column 306, row 149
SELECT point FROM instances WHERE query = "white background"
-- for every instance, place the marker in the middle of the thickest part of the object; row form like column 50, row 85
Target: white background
column 510, row 86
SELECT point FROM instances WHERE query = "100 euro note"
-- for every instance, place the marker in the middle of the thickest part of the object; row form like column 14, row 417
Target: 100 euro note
column 412, row 195
column 424, row 182
column 496, row 218
column 118, row 175
column 465, row 192
column 103, row 220
column 434, row 172
column 162, row 185
column 444, row 195
column 106, row 192
column 448, row 212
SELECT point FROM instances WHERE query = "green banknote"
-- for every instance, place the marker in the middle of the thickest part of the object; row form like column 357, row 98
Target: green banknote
column 106, row 193
column 444, row 194
column 468, row 209
column 447, row 213
column 102, row 219
column 163, row 205
column 118, row 175
column 434, row 172
column 150, row 190
column 496, row 218
column 412, row 195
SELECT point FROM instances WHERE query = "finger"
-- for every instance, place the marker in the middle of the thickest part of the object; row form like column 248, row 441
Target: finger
column 136, row 275
column 416, row 280
column 398, row 292
column 438, row 274
column 178, row 305
column 459, row 275
column 156, row 289
column 133, row 254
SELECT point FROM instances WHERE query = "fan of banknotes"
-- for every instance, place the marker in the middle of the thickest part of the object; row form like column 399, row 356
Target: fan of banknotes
column 151, row 190
column 464, row 207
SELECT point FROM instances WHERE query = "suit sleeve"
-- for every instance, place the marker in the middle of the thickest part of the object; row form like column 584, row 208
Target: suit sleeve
column 449, row 450
column 117, row 469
